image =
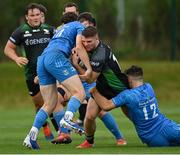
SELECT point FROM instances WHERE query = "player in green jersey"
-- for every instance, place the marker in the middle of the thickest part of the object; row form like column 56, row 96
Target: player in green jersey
column 34, row 37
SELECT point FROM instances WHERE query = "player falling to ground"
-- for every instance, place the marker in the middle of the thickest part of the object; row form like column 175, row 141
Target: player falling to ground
column 153, row 128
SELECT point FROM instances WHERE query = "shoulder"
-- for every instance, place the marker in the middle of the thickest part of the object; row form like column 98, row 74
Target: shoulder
column 102, row 51
column 23, row 28
column 46, row 26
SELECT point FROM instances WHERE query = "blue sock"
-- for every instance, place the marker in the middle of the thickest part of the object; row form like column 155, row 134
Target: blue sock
column 111, row 124
column 73, row 104
column 58, row 116
column 40, row 119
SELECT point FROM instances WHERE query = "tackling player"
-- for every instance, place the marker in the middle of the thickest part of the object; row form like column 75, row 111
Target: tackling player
column 152, row 127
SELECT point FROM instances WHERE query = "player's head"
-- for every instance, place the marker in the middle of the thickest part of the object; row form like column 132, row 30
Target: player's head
column 68, row 17
column 33, row 14
column 71, row 7
column 43, row 12
column 135, row 75
column 90, row 39
column 87, row 19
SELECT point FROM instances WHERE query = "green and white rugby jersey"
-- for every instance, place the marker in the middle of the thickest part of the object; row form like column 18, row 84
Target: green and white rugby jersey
column 34, row 40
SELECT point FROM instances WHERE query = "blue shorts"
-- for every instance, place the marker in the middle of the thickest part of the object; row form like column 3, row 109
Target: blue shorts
column 168, row 136
column 52, row 66
column 87, row 88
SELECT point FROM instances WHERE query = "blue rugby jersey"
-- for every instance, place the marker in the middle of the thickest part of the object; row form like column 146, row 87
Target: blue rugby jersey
column 143, row 110
column 65, row 38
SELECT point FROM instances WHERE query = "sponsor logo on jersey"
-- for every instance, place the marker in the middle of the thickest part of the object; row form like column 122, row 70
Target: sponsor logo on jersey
column 46, row 31
column 35, row 30
column 94, row 63
column 27, row 34
column 37, row 41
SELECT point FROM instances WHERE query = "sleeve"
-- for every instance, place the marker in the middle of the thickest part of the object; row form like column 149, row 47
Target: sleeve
column 120, row 99
column 16, row 37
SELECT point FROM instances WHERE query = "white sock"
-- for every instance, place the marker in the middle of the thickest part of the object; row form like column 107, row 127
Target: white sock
column 33, row 133
column 68, row 115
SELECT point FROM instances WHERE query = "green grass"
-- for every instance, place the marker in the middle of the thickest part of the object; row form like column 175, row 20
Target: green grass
column 17, row 114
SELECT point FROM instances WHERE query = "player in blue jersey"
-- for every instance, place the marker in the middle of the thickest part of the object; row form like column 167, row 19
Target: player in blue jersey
column 87, row 19
column 152, row 127
column 54, row 64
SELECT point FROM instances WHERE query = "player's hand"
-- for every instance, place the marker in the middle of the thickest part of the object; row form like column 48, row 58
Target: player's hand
column 36, row 80
column 21, row 61
column 74, row 51
column 75, row 58
column 87, row 76
column 93, row 90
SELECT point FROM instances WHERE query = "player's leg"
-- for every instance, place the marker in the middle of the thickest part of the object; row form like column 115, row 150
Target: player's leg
column 90, row 124
column 171, row 132
column 37, row 99
column 74, row 86
column 63, row 133
column 82, row 108
column 34, row 92
column 82, row 113
column 49, row 93
column 109, row 121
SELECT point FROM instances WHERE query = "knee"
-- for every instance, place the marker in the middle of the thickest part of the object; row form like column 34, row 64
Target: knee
column 90, row 117
column 80, row 95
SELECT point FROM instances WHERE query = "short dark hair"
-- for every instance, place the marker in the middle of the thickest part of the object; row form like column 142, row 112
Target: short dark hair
column 71, row 4
column 134, row 71
column 87, row 16
column 32, row 6
column 43, row 8
column 89, row 31
column 68, row 17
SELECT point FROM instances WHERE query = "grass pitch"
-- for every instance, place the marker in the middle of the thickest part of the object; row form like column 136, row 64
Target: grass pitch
column 17, row 114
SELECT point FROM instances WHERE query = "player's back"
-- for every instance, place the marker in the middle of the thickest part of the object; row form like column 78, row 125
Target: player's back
column 65, row 38
column 144, row 112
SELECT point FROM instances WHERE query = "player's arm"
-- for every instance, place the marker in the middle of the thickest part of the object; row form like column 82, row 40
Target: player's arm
column 10, row 51
column 102, row 102
column 83, row 56
column 81, row 70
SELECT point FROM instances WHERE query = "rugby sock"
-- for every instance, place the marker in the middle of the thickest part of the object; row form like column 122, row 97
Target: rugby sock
column 58, row 116
column 73, row 104
column 54, row 122
column 90, row 139
column 111, row 124
column 40, row 119
column 46, row 123
column 33, row 133
column 82, row 111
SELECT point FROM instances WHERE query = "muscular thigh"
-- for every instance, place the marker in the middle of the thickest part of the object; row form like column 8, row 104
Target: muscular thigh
column 93, row 109
column 74, row 85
